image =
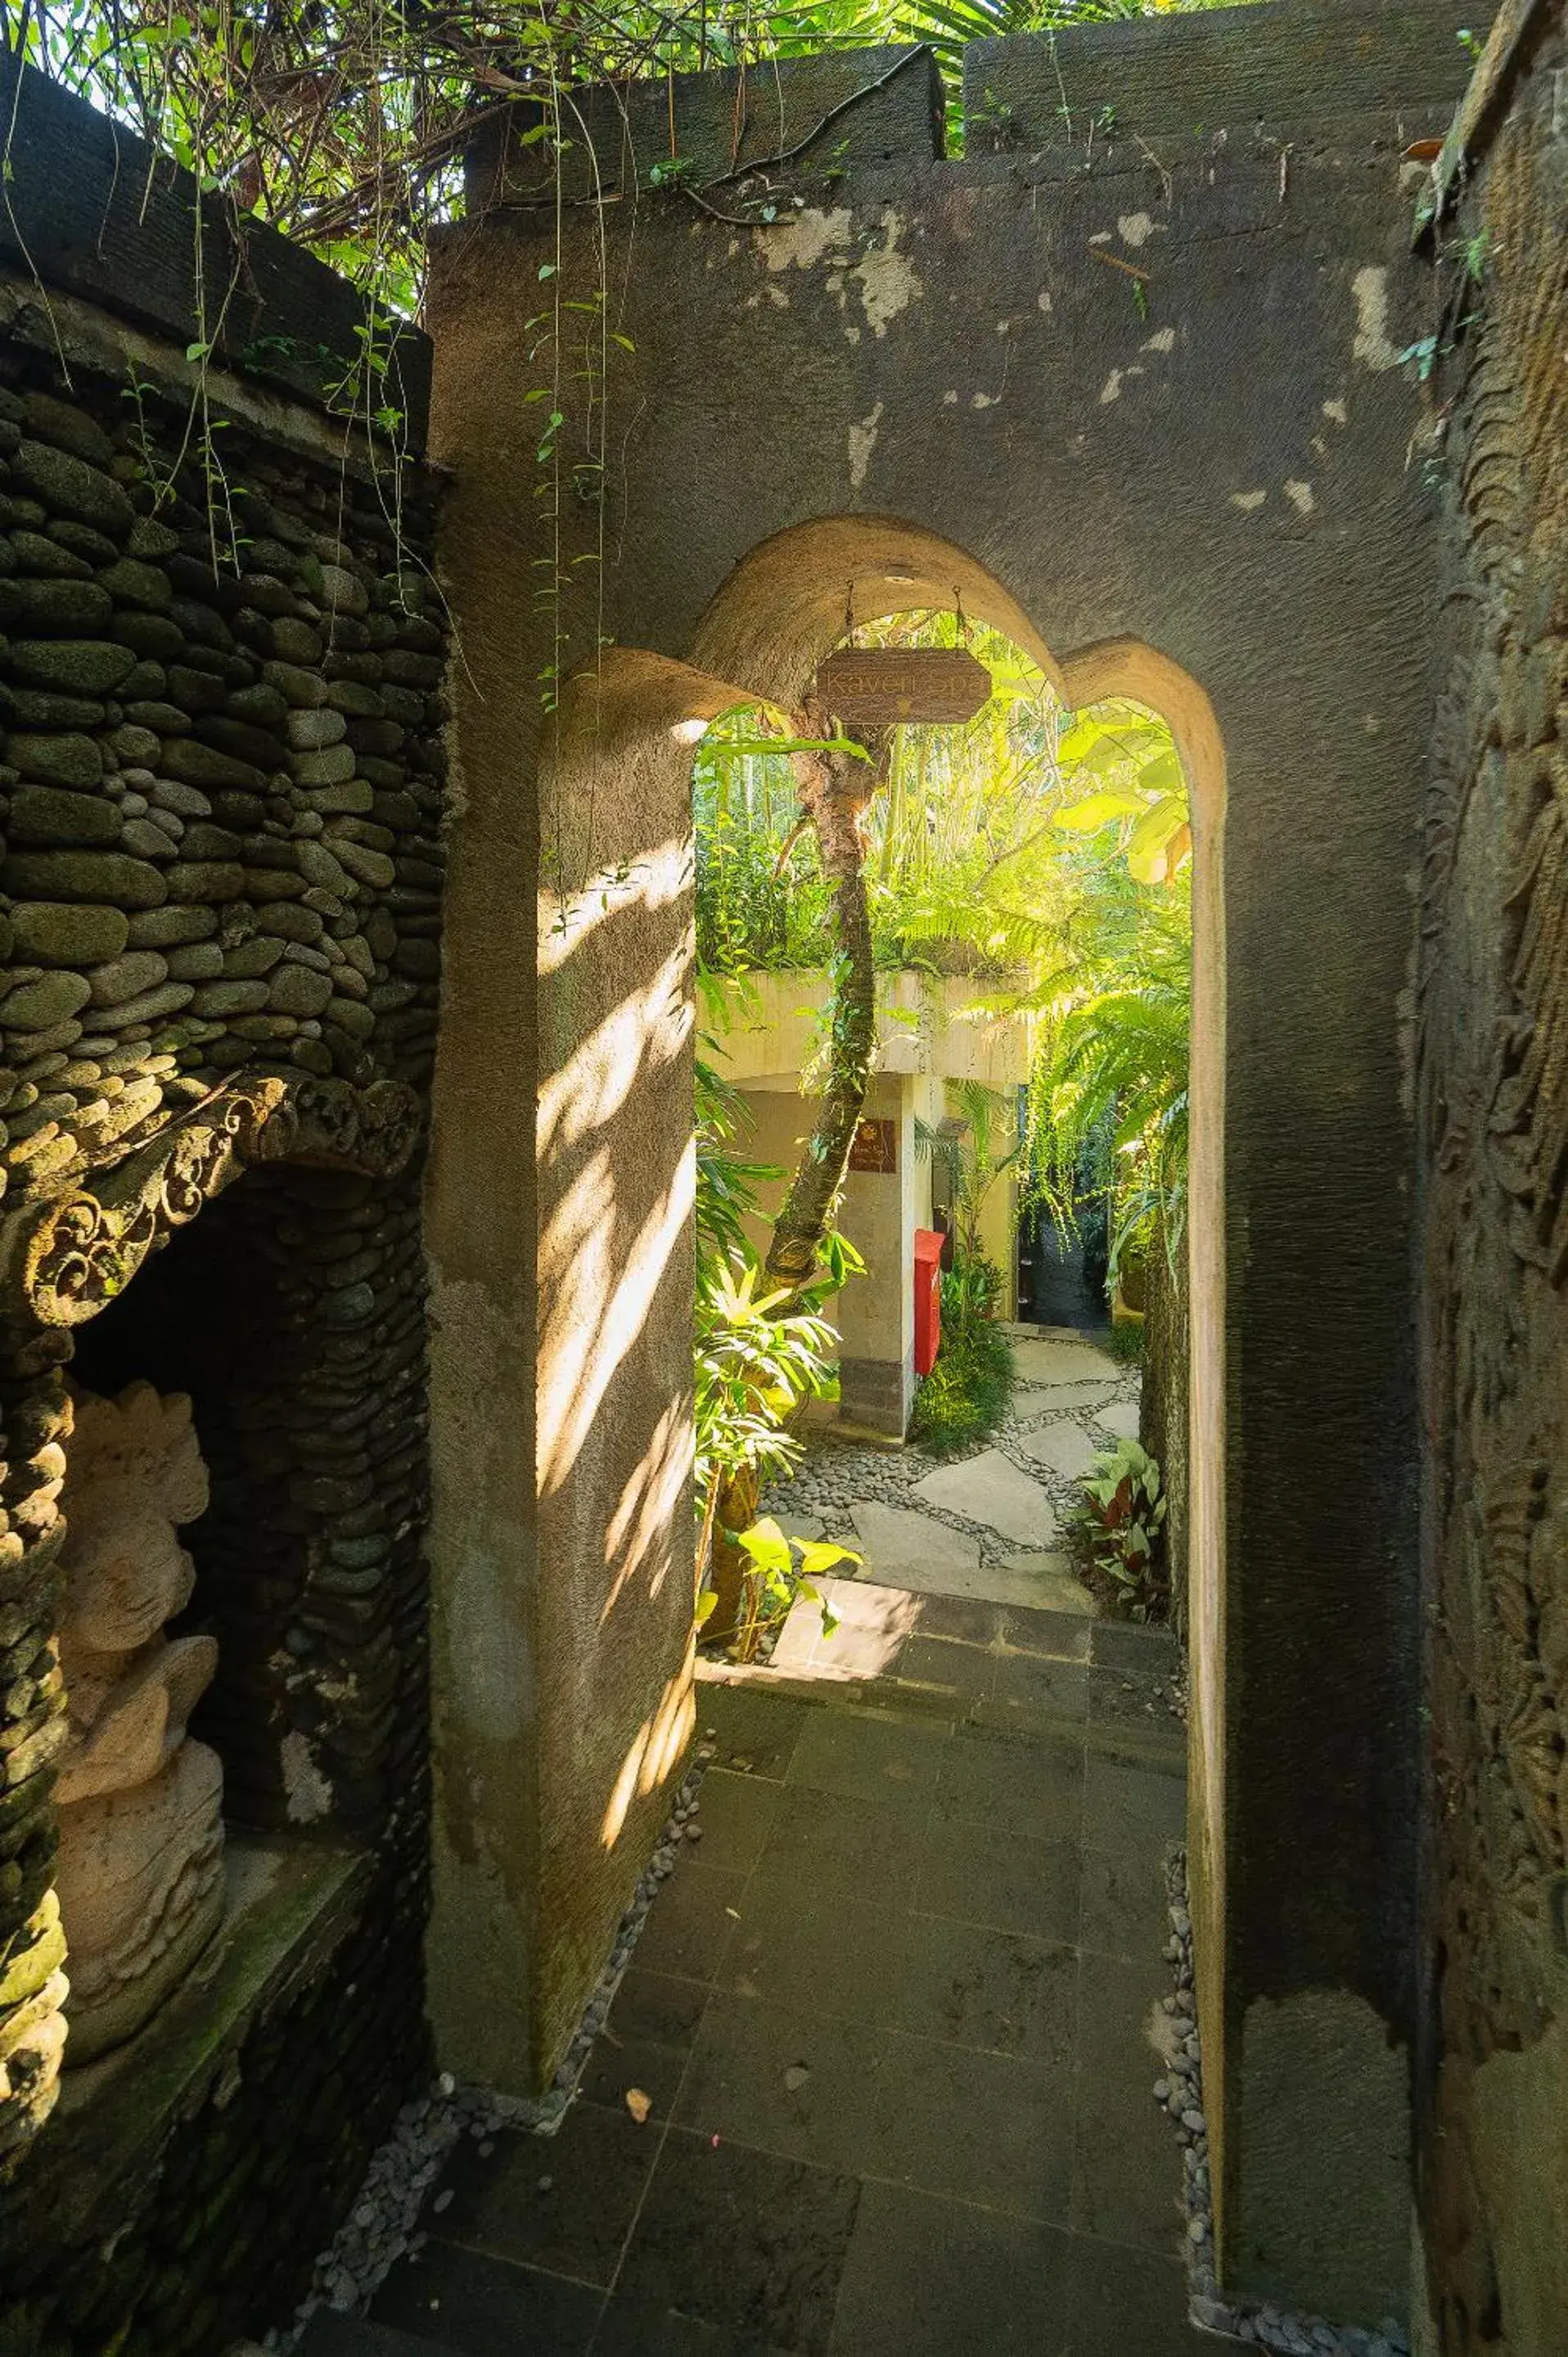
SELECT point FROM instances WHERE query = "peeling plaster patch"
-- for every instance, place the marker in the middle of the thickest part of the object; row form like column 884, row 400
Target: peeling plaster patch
column 984, row 400
column 1248, row 501
column 1099, row 237
column 1336, row 413
column 777, row 298
column 306, row 1790
column 1044, row 300
column 862, row 443
column 1300, row 497
column 1162, row 340
column 888, row 281
column 801, row 242
column 1137, row 229
column 852, row 335
column 1320, row 446
column 1372, row 347
column 1111, row 388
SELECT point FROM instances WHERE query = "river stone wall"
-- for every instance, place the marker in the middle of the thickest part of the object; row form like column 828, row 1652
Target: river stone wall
column 221, row 872
column 1493, row 1041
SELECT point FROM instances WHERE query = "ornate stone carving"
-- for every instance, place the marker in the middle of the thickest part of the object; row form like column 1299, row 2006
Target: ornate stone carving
column 1493, row 1060
column 139, row 1874
column 61, row 1261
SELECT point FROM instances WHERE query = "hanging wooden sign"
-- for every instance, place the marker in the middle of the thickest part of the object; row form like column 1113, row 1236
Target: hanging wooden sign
column 944, row 684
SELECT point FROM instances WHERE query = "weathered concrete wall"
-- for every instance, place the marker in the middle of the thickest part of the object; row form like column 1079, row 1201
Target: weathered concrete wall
column 875, row 1314
column 219, row 809
column 1493, row 1111
column 1127, row 400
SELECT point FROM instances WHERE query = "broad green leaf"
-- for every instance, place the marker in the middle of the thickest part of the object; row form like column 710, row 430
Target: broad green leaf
column 1088, row 817
column 1163, row 775
column 820, row 1555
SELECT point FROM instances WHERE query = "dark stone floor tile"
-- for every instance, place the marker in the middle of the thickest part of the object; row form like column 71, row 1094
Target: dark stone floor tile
column 1036, row 1691
column 988, row 2128
column 647, row 2038
column 737, row 1816
column 790, row 1947
column 991, row 1990
column 1014, row 1786
column 869, row 1757
column 745, row 2241
column 1061, row 1636
column 1132, row 1812
column 978, row 1875
column 628, row 2329
column 754, row 1732
column 487, row 2307
column 829, row 1845
column 330, row 2335
column 564, row 2202
column 1124, row 1907
column 966, row 1621
column 1127, row 2167
column 949, row 1672
column 688, row 1930
column 926, row 2277
column 1122, row 2016
column 784, row 2079
column 1123, row 1697
column 1130, row 1645
column 1120, row 2302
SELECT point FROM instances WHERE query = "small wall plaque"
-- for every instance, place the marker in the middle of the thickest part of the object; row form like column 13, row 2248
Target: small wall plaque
column 892, row 683
column 875, row 1147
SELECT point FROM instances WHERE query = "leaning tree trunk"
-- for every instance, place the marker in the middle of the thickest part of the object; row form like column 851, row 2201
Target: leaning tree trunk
column 834, row 790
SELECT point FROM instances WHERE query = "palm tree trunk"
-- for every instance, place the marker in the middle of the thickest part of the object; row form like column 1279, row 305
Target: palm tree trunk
column 834, row 790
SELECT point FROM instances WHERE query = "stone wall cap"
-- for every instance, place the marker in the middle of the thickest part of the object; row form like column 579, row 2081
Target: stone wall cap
column 93, row 210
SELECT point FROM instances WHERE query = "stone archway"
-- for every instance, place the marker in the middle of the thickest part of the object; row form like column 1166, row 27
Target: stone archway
column 1187, row 469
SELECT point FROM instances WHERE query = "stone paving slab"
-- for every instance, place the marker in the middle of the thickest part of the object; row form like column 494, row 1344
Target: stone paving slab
column 904, row 1548
column 1057, row 1397
column 1120, row 1417
column 1057, row 1586
column 1064, row 1361
column 1064, row 1449
column 991, row 1490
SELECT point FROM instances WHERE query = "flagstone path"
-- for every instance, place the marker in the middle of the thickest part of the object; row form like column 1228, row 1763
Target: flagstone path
column 987, row 1525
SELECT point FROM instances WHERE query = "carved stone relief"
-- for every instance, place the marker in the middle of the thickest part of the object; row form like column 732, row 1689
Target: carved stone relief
column 1493, row 975
column 140, row 1871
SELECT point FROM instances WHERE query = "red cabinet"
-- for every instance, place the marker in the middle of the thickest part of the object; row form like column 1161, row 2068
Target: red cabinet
column 927, row 1299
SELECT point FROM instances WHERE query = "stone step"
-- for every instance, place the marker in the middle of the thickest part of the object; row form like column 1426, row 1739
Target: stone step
column 329, row 2334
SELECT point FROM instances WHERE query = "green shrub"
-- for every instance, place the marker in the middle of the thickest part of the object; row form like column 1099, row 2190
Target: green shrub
column 1125, row 1341
column 965, row 1396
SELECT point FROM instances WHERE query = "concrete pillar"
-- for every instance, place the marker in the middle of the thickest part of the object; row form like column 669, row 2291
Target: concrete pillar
column 875, row 1314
